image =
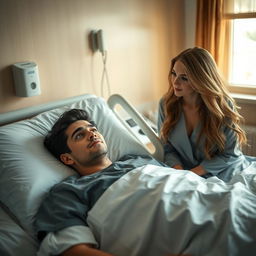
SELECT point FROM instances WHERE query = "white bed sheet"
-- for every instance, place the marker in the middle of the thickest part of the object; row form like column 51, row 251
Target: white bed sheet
column 158, row 211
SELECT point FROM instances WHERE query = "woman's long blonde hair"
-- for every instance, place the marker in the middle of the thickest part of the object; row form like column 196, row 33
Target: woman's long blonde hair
column 216, row 108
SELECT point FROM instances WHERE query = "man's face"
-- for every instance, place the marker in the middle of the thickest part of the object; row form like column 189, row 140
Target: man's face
column 87, row 145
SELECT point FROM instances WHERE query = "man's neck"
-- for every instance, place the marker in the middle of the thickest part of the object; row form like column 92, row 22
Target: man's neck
column 97, row 167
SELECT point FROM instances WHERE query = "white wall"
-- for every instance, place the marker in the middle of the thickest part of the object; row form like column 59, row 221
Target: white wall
column 141, row 37
column 190, row 24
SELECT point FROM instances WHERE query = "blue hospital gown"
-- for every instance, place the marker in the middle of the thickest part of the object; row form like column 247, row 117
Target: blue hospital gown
column 184, row 150
column 69, row 201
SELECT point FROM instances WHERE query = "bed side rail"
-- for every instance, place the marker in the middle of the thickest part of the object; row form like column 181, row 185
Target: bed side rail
column 117, row 99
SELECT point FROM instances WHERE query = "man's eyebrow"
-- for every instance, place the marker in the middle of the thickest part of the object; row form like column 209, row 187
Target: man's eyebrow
column 80, row 129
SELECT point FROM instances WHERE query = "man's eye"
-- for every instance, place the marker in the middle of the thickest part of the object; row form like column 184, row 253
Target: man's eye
column 79, row 136
column 94, row 129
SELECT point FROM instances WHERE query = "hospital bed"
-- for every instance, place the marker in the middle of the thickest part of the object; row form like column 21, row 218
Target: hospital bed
column 28, row 171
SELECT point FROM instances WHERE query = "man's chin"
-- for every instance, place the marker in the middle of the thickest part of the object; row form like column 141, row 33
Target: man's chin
column 98, row 157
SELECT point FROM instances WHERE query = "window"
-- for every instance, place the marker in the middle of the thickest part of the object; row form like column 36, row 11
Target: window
column 243, row 53
column 241, row 15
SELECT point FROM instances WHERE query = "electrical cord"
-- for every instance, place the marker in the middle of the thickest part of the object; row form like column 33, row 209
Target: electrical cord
column 104, row 76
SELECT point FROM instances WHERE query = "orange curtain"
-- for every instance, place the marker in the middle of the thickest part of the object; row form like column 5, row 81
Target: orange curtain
column 212, row 31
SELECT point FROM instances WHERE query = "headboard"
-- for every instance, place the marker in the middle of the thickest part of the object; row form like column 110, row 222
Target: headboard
column 20, row 114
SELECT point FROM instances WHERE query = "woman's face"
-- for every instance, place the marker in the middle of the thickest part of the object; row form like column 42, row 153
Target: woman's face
column 181, row 84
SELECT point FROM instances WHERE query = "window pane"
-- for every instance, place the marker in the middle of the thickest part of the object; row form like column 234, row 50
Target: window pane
column 243, row 57
column 239, row 6
column 244, row 6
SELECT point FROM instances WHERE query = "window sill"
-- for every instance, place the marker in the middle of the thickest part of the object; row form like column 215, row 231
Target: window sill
column 244, row 98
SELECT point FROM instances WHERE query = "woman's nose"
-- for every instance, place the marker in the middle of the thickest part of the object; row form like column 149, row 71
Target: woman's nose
column 176, row 80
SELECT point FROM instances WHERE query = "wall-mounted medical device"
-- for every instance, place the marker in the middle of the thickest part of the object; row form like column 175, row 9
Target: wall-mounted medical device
column 26, row 79
column 96, row 40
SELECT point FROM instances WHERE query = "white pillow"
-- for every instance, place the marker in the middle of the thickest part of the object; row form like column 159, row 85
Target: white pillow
column 28, row 170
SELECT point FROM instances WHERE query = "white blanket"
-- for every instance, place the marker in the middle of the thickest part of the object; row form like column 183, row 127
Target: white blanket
column 155, row 211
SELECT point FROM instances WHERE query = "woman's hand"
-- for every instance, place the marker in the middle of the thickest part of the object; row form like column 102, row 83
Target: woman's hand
column 178, row 167
column 199, row 170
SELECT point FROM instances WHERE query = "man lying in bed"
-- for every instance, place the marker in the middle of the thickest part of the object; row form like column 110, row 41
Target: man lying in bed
column 136, row 206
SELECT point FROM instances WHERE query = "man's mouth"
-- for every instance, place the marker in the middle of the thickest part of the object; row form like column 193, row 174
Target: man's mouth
column 93, row 143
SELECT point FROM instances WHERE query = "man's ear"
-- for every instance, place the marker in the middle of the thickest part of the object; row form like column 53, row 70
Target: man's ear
column 67, row 159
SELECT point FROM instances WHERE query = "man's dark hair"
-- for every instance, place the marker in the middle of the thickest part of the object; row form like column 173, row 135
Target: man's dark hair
column 56, row 139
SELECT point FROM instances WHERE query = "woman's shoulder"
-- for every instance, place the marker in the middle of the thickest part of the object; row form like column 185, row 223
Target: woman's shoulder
column 161, row 107
column 162, row 102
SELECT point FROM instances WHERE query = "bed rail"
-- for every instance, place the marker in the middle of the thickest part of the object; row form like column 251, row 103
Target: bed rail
column 117, row 99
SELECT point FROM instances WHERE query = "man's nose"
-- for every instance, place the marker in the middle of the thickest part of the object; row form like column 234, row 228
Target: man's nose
column 91, row 134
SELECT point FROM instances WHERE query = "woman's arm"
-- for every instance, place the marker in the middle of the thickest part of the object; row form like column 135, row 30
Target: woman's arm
column 171, row 157
column 84, row 250
column 223, row 160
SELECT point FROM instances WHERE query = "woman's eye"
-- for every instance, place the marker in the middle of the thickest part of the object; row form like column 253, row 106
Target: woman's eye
column 173, row 73
column 184, row 78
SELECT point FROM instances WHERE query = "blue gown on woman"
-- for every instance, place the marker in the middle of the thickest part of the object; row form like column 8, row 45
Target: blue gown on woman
column 183, row 150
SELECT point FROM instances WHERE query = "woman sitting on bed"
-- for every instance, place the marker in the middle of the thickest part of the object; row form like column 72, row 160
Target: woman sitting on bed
column 198, row 120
